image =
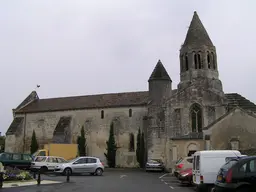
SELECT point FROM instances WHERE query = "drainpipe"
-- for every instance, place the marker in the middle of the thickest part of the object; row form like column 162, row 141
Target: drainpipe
column 24, row 135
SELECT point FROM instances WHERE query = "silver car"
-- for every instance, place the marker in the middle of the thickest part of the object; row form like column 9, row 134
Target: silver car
column 80, row 165
column 154, row 165
column 46, row 163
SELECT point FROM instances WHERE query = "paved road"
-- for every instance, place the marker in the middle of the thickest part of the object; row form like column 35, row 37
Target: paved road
column 112, row 181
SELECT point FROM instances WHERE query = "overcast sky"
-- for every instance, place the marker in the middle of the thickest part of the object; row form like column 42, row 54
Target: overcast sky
column 80, row 47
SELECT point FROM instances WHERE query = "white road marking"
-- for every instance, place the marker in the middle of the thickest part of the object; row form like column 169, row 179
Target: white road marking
column 163, row 175
column 165, row 183
column 171, row 187
column 121, row 176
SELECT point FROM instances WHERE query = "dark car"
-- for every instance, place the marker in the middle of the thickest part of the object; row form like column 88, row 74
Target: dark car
column 154, row 165
column 186, row 176
column 18, row 160
column 237, row 175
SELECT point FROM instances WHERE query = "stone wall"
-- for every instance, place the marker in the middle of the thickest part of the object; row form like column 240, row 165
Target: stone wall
column 97, row 130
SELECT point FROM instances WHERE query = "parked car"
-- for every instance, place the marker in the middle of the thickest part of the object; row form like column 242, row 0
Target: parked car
column 154, row 165
column 183, row 164
column 46, row 163
column 80, row 165
column 18, row 160
column 237, row 175
column 206, row 165
column 186, row 176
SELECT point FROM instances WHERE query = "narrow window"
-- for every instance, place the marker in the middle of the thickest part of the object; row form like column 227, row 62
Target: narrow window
column 102, row 114
column 209, row 60
column 181, row 63
column 213, row 61
column 195, row 61
column 131, row 144
column 199, row 60
column 130, row 112
column 186, row 62
column 196, row 118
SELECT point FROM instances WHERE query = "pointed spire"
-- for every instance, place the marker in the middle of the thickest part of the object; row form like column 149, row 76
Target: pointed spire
column 159, row 73
column 197, row 34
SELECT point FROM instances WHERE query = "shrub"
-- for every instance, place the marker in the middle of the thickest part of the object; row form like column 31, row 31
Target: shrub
column 14, row 174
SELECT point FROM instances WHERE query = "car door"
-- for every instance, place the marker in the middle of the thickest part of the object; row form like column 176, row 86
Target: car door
column 51, row 163
column 27, row 160
column 250, row 173
column 196, row 170
column 79, row 166
column 17, row 160
column 91, row 165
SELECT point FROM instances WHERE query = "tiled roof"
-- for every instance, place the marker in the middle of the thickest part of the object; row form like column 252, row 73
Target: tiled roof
column 113, row 100
column 17, row 121
column 87, row 102
column 234, row 99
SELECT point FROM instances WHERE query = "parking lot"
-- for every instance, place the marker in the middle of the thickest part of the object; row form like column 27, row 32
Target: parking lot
column 114, row 181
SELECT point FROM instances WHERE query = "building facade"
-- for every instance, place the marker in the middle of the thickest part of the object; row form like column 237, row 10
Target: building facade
column 176, row 122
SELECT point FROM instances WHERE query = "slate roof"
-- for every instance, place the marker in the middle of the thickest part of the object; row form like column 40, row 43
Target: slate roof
column 159, row 73
column 87, row 102
column 17, row 121
column 197, row 34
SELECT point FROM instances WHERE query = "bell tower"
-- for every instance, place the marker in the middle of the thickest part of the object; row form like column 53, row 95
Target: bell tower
column 198, row 59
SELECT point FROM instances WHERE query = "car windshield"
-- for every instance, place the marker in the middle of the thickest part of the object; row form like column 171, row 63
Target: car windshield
column 72, row 160
column 177, row 162
column 229, row 164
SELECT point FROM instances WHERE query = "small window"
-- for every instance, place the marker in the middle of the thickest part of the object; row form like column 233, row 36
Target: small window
column 209, row 60
column 91, row 160
column 42, row 153
column 243, row 168
column 229, row 164
column 6, row 156
column 252, row 166
column 16, row 157
column 213, row 61
column 52, row 160
column 190, row 160
column 27, row 157
column 131, row 144
column 197, row 162
column 102, row 114
column 81, row 161
column 195, row 61
column 186, row 62
column 199, row 61
column 130, row 112
column 60, row 160
column 40, row 159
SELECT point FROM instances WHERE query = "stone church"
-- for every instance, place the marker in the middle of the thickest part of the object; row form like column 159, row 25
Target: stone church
column 197, row 115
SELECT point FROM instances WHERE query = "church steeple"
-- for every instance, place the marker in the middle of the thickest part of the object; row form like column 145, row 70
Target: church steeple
column 198, row 58
column 197, row 34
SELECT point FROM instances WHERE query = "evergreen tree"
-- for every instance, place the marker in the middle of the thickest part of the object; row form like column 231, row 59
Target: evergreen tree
column 81, row 141
column 138, row 146
column 111, row 148
column 2, row 143
column 142, row 151
column 34, row 145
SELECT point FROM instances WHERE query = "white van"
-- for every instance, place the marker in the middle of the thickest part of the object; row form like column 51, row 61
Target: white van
column 206, row 165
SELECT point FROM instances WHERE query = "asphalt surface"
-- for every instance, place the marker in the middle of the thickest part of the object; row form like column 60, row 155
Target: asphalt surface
column 111, row 181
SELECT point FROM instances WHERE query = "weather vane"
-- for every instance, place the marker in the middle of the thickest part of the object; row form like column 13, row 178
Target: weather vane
column 37, row 86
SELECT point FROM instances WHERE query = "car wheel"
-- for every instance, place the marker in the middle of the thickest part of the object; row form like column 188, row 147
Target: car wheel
column 67, row 171
column 99, row 172
column 43, row 169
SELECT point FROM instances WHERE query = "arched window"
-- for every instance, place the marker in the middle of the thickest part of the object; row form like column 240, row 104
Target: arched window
column 130, row 112
column 181, row 63
column 195, row 60
column 102, row 114
column 196, row 118
column 199, row 60
column 131, row 144
column 186, row 62
column 209, row 60
column 213, row 61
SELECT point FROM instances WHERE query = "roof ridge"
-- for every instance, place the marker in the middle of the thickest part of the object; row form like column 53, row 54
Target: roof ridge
column 101, row 94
